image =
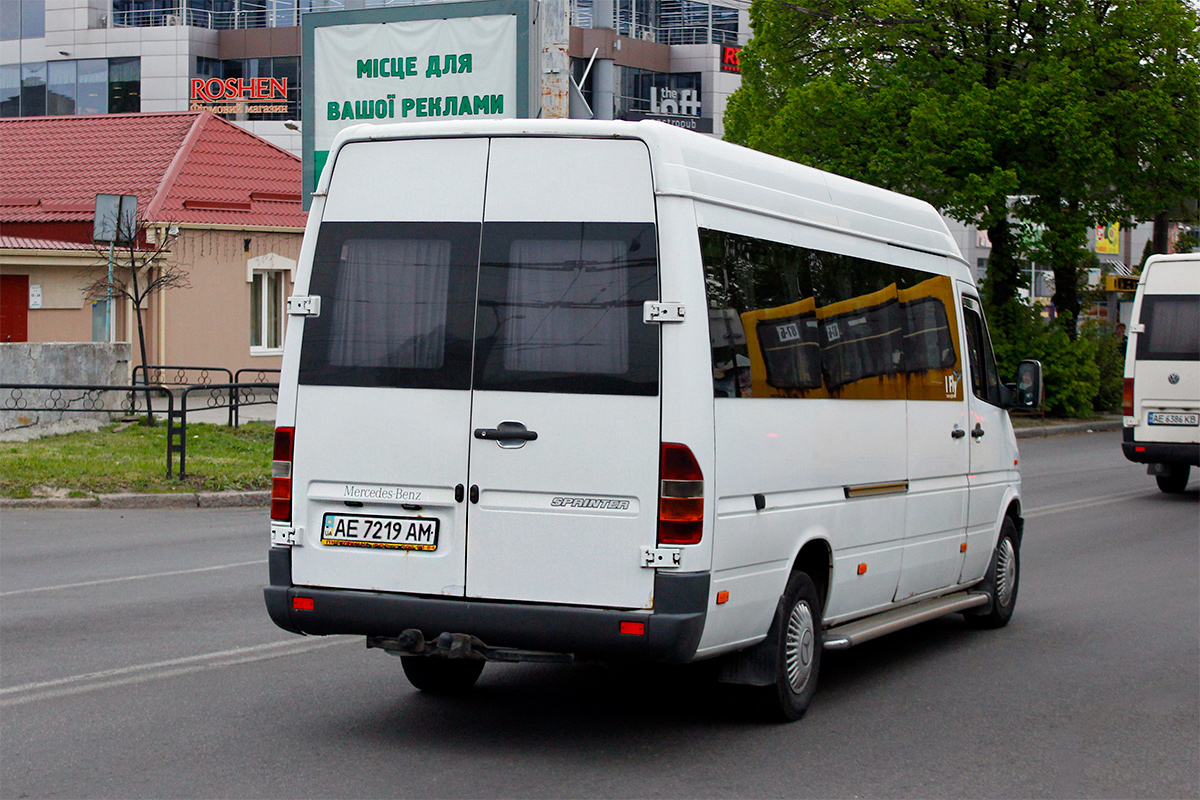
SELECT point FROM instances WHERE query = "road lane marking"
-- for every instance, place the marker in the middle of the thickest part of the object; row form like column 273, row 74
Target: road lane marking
column 132, row 578
column 1074, row 505
column 141, row 673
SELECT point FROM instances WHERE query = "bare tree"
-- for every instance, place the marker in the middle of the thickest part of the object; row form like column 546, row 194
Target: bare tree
column 136, row 266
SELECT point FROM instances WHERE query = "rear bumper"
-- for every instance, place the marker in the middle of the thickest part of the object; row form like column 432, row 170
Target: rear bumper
column 672, row 629
column 1160, row 452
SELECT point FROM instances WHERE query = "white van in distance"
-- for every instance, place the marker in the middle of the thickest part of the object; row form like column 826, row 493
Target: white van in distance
column 1162, row 371
column 560, row 390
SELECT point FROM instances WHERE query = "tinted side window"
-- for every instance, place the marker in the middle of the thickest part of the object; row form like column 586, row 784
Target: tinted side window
column 985, row 381
column 397, row 305
column 560, row 308
column 1172, row 328
column 788, row 321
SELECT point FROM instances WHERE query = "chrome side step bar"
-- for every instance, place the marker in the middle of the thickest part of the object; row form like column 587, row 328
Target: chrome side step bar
column 864, row 630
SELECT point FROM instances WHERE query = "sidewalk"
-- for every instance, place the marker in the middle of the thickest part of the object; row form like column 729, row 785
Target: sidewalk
column 262, row 499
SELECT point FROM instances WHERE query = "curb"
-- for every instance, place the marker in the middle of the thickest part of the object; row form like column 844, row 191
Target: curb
column 1074, row 427
column 262, row 499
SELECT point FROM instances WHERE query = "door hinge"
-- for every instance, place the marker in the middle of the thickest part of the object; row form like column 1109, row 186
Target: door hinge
column 655, row 311
column 662, row 557
column 282, row 535
column 304, row 305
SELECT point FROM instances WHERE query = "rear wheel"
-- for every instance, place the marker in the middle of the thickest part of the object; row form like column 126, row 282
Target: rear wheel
column 797, row 631
column 1001, row 581
column 441, row 675
column 1176, row 480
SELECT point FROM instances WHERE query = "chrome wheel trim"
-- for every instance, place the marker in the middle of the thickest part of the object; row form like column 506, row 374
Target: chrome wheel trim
column 1006, row 571
column 798, row 647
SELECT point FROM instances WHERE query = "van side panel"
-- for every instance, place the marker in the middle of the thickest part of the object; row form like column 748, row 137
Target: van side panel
column 798, row 457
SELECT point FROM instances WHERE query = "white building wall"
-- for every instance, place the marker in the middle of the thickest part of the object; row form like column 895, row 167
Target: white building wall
column 715, row 85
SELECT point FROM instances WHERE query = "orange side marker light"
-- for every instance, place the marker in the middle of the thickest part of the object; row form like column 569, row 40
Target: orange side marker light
column 862, row 569
column 722, row 597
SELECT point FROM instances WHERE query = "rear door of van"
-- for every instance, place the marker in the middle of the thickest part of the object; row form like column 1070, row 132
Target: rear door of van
column 478, row 408
column 1164, row 356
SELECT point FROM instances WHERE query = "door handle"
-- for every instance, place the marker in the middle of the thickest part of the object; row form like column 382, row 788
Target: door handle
column 496, row 434
column 957, row 433
column 507, row 434
column 977, row 434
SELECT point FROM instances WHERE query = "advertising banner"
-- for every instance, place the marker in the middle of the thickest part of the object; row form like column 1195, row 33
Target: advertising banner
column 1108, row 239
column 427, row 62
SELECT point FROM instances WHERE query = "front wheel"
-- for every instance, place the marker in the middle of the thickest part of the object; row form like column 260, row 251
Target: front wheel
column 441, row 675
column 797, row 629
column 1176, row 481
column 1001, row 580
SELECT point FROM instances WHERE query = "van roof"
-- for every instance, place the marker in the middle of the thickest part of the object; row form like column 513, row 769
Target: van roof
column 701, row 167
column 1178, row 273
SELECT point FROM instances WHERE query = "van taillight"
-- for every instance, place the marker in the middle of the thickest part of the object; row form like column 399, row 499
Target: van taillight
column 281, row 475
column 1127, row 398
column 681, row 496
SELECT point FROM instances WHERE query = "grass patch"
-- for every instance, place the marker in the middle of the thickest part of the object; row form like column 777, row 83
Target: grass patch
column 134, row 459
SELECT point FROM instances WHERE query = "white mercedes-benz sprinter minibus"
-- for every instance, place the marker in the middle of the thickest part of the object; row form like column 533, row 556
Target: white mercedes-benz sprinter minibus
column 567, row 390
column 1162, row 371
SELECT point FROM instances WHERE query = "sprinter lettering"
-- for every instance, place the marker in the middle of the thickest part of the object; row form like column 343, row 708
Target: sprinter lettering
column 589, row 502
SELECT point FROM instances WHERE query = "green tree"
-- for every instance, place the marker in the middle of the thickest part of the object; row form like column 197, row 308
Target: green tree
column 971, row 103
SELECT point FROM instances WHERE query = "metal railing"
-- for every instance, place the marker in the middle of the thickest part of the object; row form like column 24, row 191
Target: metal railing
column 133, row 399
column 88, row 398
column 693, row 29
column 220, row 395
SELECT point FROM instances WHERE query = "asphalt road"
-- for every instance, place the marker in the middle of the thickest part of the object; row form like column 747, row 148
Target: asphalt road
column 137, row 660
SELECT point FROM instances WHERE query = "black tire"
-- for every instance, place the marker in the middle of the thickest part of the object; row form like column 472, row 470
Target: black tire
column 1001, row 582
column 1176, row 482
column 797, row 635
column 441, row 675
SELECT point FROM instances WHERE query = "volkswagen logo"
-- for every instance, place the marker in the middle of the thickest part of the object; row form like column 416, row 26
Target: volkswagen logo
column 1173, row 378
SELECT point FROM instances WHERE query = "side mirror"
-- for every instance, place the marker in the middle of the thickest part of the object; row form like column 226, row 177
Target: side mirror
column 1029, row 391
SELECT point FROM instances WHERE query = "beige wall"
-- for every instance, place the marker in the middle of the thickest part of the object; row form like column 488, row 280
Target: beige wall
column 208, row 324
column 65, row 316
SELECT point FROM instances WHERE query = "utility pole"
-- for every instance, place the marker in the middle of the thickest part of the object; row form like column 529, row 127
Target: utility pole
column 604, row 83
column 555, row 24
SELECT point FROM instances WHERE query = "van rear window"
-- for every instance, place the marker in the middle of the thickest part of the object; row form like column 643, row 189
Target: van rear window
column 560, row 308
column 536, row 307
column 397, row 305
column 1172, row 328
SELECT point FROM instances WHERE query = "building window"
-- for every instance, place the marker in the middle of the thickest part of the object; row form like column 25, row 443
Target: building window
column 10, row 90
column 266, row 311
column 87, row 86
column 33, row 89
column 124, row 85
column 22, row 19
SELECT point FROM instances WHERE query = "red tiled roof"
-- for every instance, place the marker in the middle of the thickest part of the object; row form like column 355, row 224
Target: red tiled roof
column 184, row 167
column 25, row 243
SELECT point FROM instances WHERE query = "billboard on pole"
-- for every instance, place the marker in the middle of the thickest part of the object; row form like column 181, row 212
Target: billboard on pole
column 410, row 64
